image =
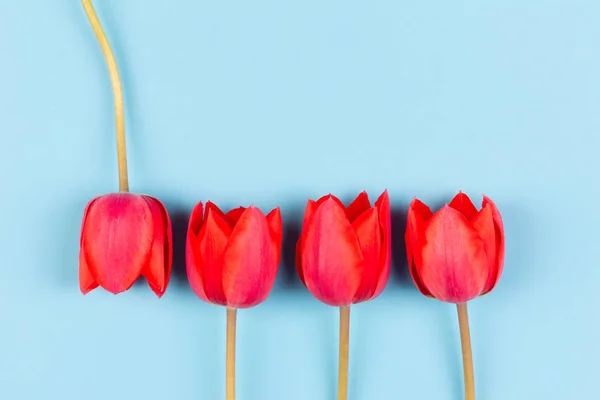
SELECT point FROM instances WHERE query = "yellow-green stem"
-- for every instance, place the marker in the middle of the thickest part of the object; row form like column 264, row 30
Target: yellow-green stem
column 117, row 91
column 230, row 355
column 465, row 341
column 344, row 350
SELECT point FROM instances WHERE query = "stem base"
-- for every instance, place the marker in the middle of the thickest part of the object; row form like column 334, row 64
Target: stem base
column 467, row 354
column 344, row 352
column 230, row 355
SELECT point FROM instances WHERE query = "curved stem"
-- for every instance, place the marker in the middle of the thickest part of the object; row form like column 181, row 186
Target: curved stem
column 118, row 94
column 344, row 350
column 465, row 341
column 230, row 355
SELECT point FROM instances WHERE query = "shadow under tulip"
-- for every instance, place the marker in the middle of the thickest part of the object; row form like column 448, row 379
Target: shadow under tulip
column 399, row 270
column 179, row 223
column 288, row 276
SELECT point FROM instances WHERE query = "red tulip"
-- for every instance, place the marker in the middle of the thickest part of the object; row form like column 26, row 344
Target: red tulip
column 123, row 236
column 457, row 253
column 232, row 258
column 343, row 254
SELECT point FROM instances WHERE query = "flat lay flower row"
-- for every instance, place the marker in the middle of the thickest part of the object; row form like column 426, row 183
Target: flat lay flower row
column 342, row 256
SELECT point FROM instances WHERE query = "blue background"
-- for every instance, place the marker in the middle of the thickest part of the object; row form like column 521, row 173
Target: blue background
column 271, row 102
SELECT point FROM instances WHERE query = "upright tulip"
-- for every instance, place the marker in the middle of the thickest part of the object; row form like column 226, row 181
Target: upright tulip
column 454, row 256
column 457, row 253
column 343, row 258
column 232, row 260
column 123, row 235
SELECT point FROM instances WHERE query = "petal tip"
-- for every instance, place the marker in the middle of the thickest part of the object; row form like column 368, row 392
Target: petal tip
column 274, row 212
column 385, row 195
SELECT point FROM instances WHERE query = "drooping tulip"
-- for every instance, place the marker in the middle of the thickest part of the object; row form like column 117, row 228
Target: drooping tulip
column 123, row 236
column 454, row 256
column 457, row 253
column 343, row 255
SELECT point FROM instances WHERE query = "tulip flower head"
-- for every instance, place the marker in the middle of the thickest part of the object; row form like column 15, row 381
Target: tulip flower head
column 123, row 236
column 232, row 258
column 343, row 254
column 457, row 253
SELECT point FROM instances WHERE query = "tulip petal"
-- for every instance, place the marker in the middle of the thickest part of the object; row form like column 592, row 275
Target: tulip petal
column 484, row 226
column 358, row 206
column 117, row 240
column 331, row 197
column 234, row 215
column 385, row 222
column 462, row 203
column 216, row 211
column 455, row 265
column 418, row 215
column 87, row 282
column 421, row 209
column 196, row 219
column 276, row 229
column 495, row 273
column 331, row 256
column 212, row 241
column 158, row 270
column 275, row 225
column 251, row 261
column 84, row 219
column 193, row 259
column 368, row 232
column 311, row 206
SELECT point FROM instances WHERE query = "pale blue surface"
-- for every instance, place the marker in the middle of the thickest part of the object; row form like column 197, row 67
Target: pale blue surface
column 271, row 102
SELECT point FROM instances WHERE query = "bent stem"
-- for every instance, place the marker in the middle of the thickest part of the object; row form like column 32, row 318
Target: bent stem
column 465, row 341
column 230, row 355
column 117, row 91
column 343, row 362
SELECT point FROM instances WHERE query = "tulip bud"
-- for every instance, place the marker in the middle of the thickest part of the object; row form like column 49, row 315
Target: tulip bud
column 343, row 255
column 123, row 236
column 232, row 258
column 457, row 253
